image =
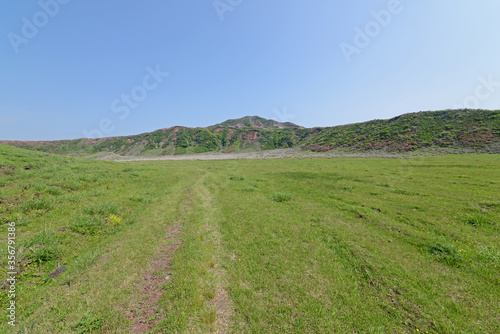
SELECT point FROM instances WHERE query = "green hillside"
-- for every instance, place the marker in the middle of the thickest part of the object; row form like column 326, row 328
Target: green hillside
column 475, row 129
column 456, row 129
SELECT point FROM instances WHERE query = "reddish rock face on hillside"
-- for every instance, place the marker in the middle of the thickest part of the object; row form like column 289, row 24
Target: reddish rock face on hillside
column 251, row 137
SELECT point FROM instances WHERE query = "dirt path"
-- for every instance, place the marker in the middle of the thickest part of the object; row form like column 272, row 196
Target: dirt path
column 197, row 215
column 145, row 312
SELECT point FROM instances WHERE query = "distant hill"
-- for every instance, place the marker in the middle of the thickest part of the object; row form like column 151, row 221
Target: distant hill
column 476, row 129
column 254, row 122
column 408, row 132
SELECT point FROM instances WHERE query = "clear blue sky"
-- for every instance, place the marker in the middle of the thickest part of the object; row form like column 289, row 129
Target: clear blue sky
column 299, row 61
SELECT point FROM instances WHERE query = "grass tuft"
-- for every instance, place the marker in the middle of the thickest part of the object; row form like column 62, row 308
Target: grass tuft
column 141, row 199
column 37, row 204
column 87, row 225
column 88, row 324
column 43, row 247
column 405, row 192
column 281, row 197
column 209, row 294
column 446, row 253
column 489, row 254
column 476, row 220
column 54, row 191
column 210, row 317
column 103, row 209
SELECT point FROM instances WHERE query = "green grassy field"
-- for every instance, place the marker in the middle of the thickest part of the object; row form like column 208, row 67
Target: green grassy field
column 252, row 246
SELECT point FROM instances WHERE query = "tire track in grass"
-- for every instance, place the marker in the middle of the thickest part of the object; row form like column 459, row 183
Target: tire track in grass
column 220, row 302
column 146, row 313
column 195, row 298
column 143, row 309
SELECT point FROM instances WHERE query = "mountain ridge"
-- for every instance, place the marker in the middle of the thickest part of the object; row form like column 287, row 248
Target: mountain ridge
column 406, row 132
column 255, row 121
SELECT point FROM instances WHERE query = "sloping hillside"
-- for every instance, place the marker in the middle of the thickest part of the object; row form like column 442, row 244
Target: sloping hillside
column 251, row 132
column 476, row 129
column 456, row 129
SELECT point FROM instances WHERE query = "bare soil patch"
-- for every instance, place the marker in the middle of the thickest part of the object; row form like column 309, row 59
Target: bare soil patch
column 144, row 313
column 288, row 153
